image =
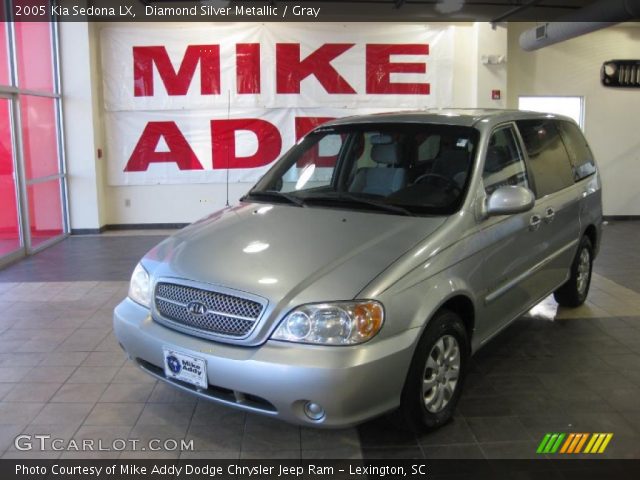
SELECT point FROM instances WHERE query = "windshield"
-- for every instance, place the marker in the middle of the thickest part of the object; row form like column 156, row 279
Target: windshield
column 402, row 169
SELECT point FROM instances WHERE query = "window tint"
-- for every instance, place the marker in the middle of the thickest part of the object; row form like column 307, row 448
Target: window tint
column 548, row 157
column 503, row 163
column 578, row 149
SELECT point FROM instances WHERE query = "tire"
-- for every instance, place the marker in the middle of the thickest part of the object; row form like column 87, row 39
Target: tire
column 575, row 290
column 419, row 409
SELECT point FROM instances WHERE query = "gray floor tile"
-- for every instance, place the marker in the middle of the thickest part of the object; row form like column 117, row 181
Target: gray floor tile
column 440, row 452
column 267, row 434
column 129, row 373
column 210, row 413
column 5, row 388
column 215, row 438
column 498, row 429
column 114, row 414
column 127, row 392
column 83, row 340
column 20, row 359
column 511, row 450
column 18, row 413
column 105, row 359
column 163, row 393
column 78, row 393
column 93, row 375
column 8, row 435
column 13, row 374
column 455, row 432
column 48, row 374
column 166, row 414
column 32, row 392
column 63, row 359
column 321, row 439
column 63, row 414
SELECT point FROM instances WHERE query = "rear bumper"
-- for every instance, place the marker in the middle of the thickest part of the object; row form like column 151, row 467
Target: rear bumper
column 351, row 384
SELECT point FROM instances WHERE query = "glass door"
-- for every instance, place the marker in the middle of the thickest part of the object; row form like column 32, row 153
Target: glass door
column 11, row 240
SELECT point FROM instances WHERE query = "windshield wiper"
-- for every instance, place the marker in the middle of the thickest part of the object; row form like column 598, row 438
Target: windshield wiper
column 273, row 194
column 349, row 197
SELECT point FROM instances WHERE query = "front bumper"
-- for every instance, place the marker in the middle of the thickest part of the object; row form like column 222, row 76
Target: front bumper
column 351, row 384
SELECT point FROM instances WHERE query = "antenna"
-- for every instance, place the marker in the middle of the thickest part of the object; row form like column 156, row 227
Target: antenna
column 228, row 118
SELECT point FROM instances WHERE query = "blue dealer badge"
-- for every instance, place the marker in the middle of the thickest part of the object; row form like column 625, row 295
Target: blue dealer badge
column 174, row 364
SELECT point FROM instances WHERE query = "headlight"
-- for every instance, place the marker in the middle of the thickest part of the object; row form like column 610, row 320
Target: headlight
column 340, row 323
column 140, row 287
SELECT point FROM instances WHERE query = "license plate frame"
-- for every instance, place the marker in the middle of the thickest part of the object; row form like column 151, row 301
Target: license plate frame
column 185, row 368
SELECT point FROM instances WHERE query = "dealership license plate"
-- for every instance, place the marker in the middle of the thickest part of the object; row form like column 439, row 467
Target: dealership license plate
column 186, row 368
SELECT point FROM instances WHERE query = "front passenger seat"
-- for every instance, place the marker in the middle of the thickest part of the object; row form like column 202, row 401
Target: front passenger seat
column 384, row 179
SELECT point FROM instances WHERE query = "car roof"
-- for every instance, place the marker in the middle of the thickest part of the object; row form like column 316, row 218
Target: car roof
column 449, row 116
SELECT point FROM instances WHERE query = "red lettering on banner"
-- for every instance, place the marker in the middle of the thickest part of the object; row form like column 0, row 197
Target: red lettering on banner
column 223, row 133
column 208, row 56
column 380, row 68
column 248, row 68
column 179, row 150
column 290, row 70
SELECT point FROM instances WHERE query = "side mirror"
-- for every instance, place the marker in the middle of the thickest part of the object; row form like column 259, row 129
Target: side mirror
column 510, row 200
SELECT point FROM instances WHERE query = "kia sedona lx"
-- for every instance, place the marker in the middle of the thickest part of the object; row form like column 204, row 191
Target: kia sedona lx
column 362, row 271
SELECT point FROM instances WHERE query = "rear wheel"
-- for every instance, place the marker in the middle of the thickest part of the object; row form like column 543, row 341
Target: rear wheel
column 574, row 292
column 434, row 382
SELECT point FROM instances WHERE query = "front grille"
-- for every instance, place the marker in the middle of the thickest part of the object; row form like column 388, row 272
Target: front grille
column 223, row 314
column 621, row 73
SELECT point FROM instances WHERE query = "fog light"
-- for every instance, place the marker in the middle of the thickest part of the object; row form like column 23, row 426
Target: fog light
column 313, row 411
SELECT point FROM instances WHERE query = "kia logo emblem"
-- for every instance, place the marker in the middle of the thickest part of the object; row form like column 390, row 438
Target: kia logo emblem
column 196, row 308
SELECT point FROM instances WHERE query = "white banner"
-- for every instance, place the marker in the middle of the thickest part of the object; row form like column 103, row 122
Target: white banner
column 184, row 103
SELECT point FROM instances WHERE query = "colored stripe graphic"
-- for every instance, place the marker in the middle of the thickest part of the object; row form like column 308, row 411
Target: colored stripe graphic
column 574, row 443
column 550, row 443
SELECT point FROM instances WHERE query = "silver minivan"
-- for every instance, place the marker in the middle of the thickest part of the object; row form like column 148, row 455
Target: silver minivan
column 362, row 271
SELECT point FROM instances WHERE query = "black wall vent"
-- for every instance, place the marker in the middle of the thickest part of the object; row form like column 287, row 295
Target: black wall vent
column 621, row 73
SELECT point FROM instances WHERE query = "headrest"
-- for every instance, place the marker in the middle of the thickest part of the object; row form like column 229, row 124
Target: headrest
column 497, row 159
column 386, row 154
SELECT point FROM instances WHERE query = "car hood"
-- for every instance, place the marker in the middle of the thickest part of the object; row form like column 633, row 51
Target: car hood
column 288, row 255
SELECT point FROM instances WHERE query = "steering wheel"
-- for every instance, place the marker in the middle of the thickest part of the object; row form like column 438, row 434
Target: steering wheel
column 450, row 182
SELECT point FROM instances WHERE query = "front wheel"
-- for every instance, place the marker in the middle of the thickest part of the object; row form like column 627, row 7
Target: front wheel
column 574, row 292
column 434, row 382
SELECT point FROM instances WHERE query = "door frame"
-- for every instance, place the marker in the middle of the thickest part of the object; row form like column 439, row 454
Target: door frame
column 21, row 251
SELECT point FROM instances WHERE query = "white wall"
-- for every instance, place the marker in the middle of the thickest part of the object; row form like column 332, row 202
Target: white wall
column 611, row 115
column 472, row 85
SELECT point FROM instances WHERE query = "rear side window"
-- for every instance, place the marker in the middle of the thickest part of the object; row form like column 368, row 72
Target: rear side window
column 549, row 161
column 578, row 149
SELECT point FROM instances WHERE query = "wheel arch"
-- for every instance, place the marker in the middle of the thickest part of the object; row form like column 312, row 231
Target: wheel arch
column 464, row 307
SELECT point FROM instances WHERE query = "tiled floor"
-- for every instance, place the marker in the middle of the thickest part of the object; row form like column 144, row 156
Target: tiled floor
column 62, row 373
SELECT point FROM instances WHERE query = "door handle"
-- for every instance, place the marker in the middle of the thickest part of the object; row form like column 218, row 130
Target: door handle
column 550, row 214
column 534, row 222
